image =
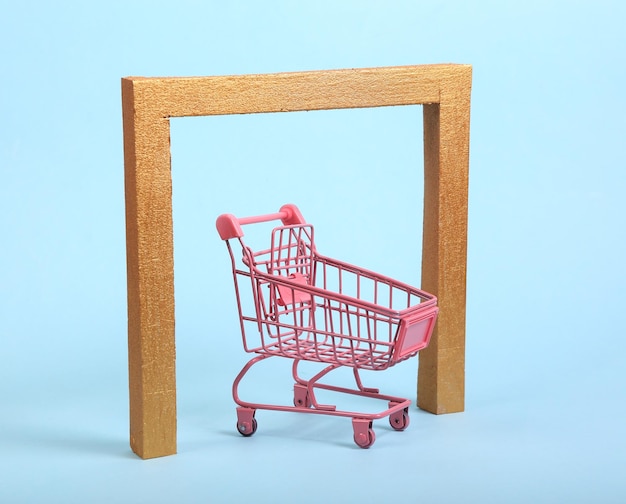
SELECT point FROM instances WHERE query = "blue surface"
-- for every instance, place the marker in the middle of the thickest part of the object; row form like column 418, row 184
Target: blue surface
column 546, row 375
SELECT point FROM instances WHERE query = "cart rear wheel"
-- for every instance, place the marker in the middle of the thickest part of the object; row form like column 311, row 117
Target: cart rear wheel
column 246, row 428
column 399, row 420
column 246, row 423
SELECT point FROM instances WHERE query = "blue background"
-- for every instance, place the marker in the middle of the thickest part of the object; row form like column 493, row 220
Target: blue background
column 546, row 345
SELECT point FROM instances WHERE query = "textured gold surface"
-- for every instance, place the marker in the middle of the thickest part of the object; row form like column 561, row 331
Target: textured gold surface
column 150, row 270
column 147, row 105
column 441, row 375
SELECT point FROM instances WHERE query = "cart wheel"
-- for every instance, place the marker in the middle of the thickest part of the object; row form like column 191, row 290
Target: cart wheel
column 365, row 440
column 246, row 423
column 399, row 420
column 301, row 397
column 246, row 429
column 302, row 403
column 363, row 432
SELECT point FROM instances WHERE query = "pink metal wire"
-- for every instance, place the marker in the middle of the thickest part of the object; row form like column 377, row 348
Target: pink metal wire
column 305, row 306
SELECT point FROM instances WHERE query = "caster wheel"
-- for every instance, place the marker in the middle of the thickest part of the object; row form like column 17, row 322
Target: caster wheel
column 301, row 397
column 363, row 432
column 246, row 429
column 302, row 403
column 246, row 423
column 399, row 420
column 365, row 440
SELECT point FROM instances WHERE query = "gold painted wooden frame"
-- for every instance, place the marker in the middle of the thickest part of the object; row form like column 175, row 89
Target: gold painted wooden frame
column 148, row 103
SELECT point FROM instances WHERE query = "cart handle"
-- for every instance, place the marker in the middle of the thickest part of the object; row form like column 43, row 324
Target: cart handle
column 229, row 226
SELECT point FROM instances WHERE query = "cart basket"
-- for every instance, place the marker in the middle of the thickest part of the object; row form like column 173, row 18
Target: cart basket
column 296, row 303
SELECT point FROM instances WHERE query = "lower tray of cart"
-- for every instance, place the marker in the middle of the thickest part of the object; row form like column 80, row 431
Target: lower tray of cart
column 363, row 405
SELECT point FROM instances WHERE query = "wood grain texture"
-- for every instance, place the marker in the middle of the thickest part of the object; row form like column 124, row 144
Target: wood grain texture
column 288, row 92
column 148, row 103
column 150, row 271
column 441, row 375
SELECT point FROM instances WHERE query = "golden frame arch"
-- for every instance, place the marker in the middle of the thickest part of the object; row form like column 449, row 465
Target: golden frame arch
column 147, row 105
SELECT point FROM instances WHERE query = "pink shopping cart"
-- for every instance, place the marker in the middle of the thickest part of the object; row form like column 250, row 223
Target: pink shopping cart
column 308, row 307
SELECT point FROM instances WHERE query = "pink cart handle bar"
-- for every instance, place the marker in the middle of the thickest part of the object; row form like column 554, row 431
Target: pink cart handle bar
column 229, row 226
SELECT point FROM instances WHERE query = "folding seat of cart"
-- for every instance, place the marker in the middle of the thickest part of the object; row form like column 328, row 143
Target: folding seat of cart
column 291, row 258
column 295, row 257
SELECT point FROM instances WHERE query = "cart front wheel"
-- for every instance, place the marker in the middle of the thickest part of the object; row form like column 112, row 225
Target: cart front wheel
column 363, row 432
column 399, row 420
column 365, row 440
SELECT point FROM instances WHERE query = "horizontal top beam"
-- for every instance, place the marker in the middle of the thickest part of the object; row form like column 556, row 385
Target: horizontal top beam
column 287, row 92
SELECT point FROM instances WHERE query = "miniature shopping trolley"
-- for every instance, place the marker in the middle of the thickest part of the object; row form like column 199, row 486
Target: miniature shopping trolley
column 308, row 307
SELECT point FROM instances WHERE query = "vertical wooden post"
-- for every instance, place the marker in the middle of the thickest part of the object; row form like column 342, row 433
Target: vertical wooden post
column 441, row 375
column 150, row 272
